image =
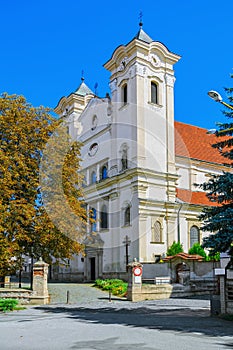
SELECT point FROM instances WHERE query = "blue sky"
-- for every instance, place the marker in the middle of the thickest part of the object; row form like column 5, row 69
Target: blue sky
column 46, row 44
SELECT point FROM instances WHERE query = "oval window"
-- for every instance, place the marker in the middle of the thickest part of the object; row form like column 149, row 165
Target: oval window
column 93, row 149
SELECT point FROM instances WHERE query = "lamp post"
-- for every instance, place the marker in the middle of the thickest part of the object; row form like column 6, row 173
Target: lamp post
column 218, row 98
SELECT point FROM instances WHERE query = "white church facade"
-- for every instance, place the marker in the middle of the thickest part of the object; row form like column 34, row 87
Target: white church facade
column 140, row 166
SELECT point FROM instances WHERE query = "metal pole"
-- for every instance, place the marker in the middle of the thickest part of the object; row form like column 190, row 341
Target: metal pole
column 32, row 262
column 127, row 255
column 67, row 297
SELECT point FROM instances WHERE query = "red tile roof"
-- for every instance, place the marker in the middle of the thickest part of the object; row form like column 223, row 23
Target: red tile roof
column 198, row 198
column 184, row 256
column 194, row 142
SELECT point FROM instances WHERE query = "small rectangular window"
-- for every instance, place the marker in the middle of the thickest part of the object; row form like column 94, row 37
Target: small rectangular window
column 154, row 93
column 125, row 97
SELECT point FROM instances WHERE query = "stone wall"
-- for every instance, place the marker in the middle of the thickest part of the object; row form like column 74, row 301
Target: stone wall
column 24, row 296
column 229, row 292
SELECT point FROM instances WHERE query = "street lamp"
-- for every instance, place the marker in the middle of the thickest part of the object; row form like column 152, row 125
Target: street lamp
column 218, row 98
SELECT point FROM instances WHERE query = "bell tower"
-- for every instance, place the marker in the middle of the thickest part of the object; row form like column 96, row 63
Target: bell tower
column 142, row 86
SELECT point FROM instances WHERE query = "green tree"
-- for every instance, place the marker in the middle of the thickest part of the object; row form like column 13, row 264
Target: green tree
column 219, row 219
column 175, row 248
column 197, row 249
column 26, row 224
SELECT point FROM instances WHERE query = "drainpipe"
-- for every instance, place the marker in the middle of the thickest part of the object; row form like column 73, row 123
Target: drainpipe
column 178, row 222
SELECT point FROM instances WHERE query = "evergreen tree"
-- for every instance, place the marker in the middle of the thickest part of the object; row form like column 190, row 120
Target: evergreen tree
column 219, row 219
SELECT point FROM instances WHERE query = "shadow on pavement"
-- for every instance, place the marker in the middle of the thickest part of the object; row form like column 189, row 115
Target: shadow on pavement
column 183, row 320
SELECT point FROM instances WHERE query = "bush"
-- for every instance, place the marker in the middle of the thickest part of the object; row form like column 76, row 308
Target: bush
column 116, row 286
column 197, row 249
column 175, row 248
column 8, row 304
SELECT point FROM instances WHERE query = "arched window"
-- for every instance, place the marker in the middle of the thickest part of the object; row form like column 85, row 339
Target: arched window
column 154, row 92
column 124, row 94
column 93, row 177
column 194, row 235
column 127, row 216
column 104, row 217
column 104, row 172
column 93, row 224
column 156, row 234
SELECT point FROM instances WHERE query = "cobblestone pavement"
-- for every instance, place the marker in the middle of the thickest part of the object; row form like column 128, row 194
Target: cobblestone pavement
column 87, row 295
column 78, row 293
column 90, row 321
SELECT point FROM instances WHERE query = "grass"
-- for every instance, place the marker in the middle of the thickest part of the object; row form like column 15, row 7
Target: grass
column 8, row 304
column 116, row 286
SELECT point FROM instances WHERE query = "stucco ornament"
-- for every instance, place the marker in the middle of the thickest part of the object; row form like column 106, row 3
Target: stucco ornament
column 154, row 60
column 123, row 63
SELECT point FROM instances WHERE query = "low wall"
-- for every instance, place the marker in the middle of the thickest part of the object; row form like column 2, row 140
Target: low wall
column 67, row 277
column 229, row 292
column 24, row 296
column 152, row 292
column 152, row 270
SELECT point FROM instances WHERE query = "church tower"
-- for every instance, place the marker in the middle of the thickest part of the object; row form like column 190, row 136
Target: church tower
column 142, row 86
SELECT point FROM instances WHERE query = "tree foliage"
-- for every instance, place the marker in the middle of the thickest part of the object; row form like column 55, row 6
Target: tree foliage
column 197, row 249
column 219, row 219
column 175, row 248
column 26, row 226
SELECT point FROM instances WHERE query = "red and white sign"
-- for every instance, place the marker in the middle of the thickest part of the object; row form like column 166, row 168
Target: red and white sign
column 137, row 271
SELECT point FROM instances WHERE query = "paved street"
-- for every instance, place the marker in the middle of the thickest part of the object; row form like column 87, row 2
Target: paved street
column 90, row 321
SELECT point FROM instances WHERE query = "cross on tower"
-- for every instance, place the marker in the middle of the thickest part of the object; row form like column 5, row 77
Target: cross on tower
column 127, row 242
column 140, row 18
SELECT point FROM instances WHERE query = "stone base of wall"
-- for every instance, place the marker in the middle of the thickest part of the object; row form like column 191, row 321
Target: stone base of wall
column 24, row 296
column 150, row 292
column 67, row 277
column 119, row 275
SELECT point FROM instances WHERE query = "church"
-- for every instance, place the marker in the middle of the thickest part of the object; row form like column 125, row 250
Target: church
column 140, row 166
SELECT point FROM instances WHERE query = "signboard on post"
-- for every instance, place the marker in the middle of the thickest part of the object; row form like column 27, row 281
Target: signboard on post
column 137, row 272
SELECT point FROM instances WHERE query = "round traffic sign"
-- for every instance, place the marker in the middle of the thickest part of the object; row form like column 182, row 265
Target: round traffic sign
column 137, row 271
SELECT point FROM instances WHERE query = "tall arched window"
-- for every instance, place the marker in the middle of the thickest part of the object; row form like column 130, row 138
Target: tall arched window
column 93, row 177
column 156, row 234
column 124, row 94
column 154, row 92
column 194, row 235
column 127, row 216
column 104, row 217
column 93, row 215
column 104, row 172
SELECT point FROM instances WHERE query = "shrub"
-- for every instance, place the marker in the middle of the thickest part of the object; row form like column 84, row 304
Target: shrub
column 8, row 304
column 175, row 248
column 116, row 286
column 197, row 249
